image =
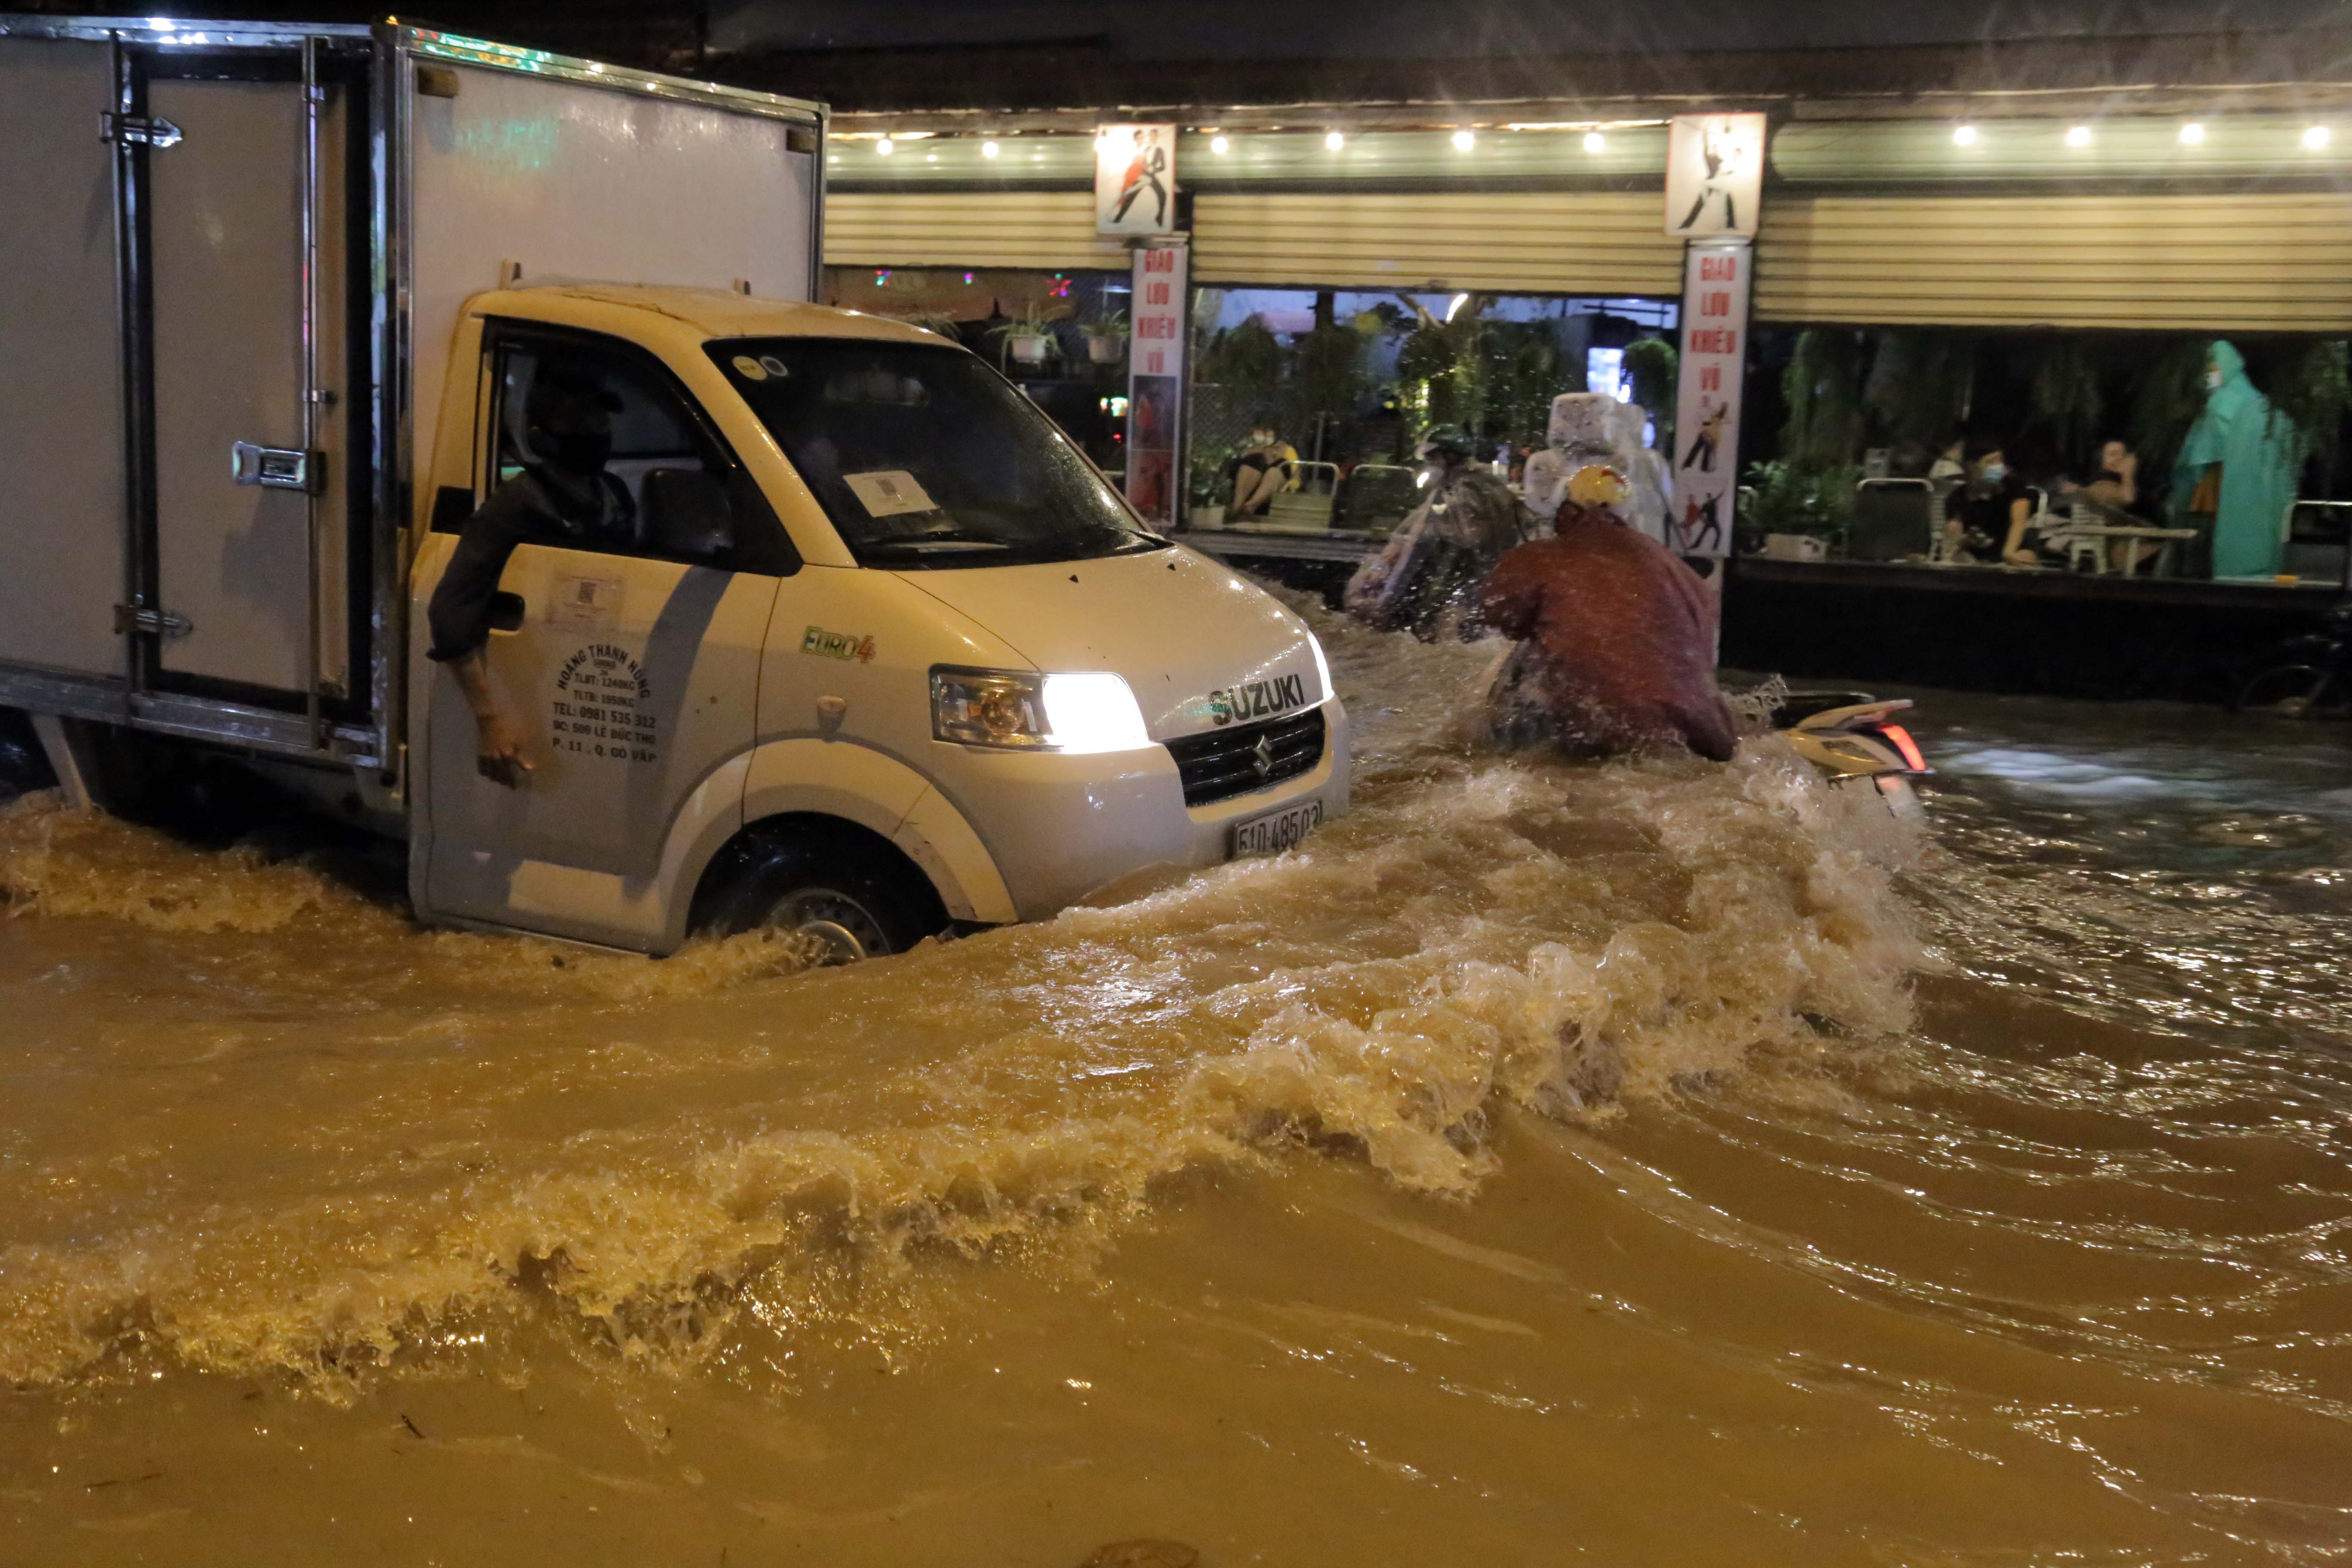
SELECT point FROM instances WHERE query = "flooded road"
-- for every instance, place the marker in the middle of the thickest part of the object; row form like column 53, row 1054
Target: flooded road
column 1643, row 1163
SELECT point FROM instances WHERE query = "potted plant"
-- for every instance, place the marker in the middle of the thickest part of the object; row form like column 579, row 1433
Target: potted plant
column 1107, row 337
column 1028, row 337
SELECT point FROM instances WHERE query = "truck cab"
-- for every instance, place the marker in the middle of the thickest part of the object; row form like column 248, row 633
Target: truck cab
column 879, row 653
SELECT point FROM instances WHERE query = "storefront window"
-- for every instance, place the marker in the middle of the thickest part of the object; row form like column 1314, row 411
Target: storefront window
column 1341, row 387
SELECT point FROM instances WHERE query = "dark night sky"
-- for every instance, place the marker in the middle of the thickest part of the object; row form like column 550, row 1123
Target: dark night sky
column 1405, row 29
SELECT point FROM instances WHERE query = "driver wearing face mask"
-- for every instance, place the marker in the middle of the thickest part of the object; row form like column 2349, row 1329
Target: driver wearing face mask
column 564, row 497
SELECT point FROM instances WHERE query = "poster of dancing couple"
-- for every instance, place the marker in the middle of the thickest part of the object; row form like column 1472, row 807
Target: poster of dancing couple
column 1135, row 179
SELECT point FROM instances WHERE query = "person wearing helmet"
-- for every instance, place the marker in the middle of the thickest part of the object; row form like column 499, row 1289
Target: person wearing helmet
column 1425, row 578
column 1616, row 636
column 564, row 497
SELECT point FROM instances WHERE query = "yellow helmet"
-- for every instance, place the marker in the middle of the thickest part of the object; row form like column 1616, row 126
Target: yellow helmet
column 1598, row 484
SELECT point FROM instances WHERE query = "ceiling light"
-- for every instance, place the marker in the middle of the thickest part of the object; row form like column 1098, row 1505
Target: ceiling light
column 1463, row 140
column 1595, row 143
column 1964, row 135
column 1459, row 301
column 1334, row 141
column 1219, row 146
column 2078, row 136
column 2315, row 137
column 2192, row 133
column 884, row 147
column 989, row 149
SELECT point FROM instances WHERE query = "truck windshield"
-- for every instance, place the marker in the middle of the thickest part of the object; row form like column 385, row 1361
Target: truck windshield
column 923, row 457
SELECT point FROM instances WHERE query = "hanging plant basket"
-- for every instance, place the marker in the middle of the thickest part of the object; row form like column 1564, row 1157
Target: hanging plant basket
column 1103, row 348
column 1030, row 348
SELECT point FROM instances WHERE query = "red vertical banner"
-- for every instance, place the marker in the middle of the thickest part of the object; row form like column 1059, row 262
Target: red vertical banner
column 1155, row 384
column 1706, row 459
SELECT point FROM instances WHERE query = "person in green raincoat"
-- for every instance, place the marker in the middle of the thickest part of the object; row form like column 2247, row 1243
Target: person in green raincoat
column 2259, row 452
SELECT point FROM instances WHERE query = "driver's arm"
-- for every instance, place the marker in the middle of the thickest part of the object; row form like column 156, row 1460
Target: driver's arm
column 460, row 618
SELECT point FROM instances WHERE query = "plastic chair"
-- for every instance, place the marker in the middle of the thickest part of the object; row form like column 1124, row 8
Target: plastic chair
column 1892, row 518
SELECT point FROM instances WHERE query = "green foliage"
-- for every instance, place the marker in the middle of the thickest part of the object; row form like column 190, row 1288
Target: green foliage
column 1245, row 357
column 1519, row 369
column 1428, row 352
column 2315, row 393
column 1823, row 387
column 1919, row 385
column 1327, row 370
column 2063, row 397
column 1788, row 497
column 1651, row 364
column 2165, row 401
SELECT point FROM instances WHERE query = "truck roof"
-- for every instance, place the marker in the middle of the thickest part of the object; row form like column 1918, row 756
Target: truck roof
column 704, row 313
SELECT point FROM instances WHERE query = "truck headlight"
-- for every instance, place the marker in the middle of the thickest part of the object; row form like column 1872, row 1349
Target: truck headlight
column 1024, row 712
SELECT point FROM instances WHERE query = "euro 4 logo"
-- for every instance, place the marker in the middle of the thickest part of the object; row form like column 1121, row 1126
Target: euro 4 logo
column 837, row 644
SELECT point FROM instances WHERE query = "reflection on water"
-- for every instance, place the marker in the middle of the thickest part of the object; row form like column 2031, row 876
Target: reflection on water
column 1637, row 1163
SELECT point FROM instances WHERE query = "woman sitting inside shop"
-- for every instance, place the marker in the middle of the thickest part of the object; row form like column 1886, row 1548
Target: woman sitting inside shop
column 1262, row 469
column 1989, row 511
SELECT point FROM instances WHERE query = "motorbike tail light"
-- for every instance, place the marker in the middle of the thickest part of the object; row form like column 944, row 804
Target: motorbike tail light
column 1900, row 739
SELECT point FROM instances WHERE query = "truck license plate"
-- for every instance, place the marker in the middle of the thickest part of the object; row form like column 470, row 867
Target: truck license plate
column 1276, row 830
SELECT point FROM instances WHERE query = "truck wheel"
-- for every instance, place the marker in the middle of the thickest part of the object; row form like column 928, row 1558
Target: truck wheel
column 855, row 905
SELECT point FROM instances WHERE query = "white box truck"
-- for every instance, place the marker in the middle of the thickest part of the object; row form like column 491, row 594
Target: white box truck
column 861, row 645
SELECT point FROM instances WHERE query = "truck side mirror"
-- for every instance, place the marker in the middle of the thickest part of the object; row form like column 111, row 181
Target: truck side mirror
column 687, row 512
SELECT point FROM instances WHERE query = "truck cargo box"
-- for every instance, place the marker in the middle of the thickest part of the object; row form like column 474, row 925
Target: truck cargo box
column 231, row 271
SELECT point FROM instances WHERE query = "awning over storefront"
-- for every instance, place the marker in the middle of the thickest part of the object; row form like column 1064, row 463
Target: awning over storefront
column 1539, row 242
column 2223, row 263
column 1052, row 230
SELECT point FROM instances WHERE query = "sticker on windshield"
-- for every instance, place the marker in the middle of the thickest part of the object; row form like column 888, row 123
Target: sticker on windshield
column 749, row 368
column 889, row 492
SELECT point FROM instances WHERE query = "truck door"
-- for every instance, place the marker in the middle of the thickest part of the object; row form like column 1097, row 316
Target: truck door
column 630, row 667
column 239, row 169
column 176, row 261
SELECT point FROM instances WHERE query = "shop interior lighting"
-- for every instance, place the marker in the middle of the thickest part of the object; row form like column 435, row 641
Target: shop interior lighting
column 2078, row 136
column 1334, row 141
column 2315, row 137
column 1595, row 143
column 1964, row 135
column 1219, row 146
column 1465, row 140
column 883, row 148
column 989, row 149
column 2192, row 133
column 1459, row 301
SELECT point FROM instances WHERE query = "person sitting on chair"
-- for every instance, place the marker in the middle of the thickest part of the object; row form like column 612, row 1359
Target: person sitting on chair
column 1262, row 470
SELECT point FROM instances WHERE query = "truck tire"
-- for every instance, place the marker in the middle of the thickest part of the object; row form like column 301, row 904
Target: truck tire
column 24, row 764
column 857, row 900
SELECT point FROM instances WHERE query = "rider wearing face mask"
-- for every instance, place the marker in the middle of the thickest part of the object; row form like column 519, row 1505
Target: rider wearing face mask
column 564, row 497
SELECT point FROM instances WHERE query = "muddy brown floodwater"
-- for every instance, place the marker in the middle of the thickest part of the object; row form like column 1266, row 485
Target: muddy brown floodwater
column 1629, row 1164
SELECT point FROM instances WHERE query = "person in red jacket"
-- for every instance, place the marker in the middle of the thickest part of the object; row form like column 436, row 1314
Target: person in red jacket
column 1616, row 637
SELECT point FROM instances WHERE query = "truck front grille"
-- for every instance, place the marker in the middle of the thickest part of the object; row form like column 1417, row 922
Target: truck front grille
column 1223, row 764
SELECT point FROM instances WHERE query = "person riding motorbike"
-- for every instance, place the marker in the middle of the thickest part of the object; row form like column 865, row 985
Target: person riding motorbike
column 1425, row 579
column 1616, row 636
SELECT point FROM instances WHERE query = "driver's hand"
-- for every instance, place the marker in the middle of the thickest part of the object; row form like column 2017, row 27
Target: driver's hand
column 502, row 759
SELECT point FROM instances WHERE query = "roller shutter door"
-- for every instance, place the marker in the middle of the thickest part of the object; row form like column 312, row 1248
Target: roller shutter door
column 1054, row 230
column 2228, row 263
column 1549, row 242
